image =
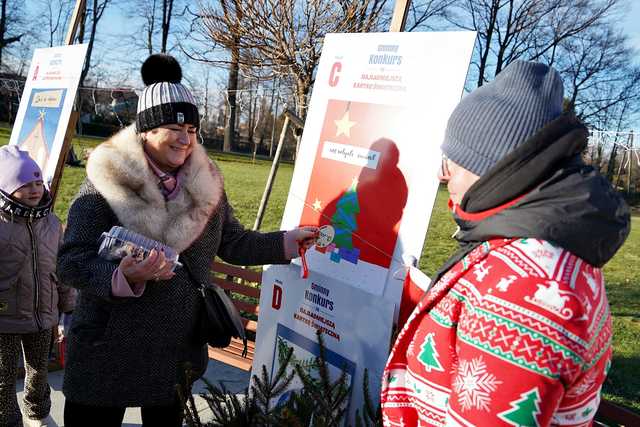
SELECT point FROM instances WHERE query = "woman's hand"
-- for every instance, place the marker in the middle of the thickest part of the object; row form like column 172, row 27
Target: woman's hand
column 304, row 237
column 60, row 331
column 154, row 267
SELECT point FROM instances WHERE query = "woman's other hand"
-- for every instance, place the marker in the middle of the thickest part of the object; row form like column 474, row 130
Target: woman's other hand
column 304, row 237
column 154, row 267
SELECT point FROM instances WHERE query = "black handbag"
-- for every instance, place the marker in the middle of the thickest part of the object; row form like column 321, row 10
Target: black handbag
column 219, row 319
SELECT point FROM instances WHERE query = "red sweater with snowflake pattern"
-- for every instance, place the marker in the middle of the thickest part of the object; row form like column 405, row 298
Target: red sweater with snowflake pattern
column 518, row 333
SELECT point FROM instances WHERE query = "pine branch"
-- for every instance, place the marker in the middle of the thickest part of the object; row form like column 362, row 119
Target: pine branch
column 186, row 398
column 329, row 397
column 371, row 416
column 323, row 370
column 320, row 403
column 191, row 421
column 227, row 408
column 266, row 389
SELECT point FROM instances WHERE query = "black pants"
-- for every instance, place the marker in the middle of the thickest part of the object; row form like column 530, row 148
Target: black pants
column 37, row 401
column 78, row 415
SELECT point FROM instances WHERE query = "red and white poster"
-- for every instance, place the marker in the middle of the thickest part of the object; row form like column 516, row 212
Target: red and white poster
column 355, row 169
column 366, row 174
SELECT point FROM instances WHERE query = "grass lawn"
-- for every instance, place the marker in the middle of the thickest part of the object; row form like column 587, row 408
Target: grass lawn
column 244, row 182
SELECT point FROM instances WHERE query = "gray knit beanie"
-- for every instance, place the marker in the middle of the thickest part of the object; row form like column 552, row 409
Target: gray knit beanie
column 499, row 116
column 164, row 100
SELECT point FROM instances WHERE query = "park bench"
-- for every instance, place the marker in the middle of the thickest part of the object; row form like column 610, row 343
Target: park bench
column 243, row 286
column 610, row 414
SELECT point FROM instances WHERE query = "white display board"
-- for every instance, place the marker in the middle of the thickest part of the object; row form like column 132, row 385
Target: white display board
column 366, row 173
column 46, row 103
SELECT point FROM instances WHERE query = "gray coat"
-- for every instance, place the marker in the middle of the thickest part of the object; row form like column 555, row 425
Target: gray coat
column 132, row 351
column 31, row 297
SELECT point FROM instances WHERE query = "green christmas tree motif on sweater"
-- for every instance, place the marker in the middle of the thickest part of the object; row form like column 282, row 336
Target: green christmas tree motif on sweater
column 429, row 355
column 524, row 410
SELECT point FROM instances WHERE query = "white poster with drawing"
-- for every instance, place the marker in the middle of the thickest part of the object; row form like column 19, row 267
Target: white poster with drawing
column 46, row 103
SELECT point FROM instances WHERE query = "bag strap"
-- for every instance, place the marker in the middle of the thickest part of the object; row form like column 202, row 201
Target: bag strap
column 192, row 278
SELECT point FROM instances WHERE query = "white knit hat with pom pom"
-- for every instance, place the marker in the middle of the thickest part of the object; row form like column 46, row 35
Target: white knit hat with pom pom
column 164, row 100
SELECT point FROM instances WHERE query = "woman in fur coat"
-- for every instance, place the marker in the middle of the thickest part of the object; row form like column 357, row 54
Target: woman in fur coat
column 133, row 328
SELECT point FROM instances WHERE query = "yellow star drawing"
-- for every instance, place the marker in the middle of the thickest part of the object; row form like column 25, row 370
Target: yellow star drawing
column 317, row 205
column 354, row 182
column 42, row 113
column 344, row 125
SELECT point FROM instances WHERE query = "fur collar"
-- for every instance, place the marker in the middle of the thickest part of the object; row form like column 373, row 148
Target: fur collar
column 119, row 171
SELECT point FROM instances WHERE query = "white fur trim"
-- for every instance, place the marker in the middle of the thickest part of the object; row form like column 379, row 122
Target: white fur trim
column 120, row 172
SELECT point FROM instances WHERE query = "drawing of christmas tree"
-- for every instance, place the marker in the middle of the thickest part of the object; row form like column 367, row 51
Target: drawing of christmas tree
column 35, row 142
column 345, row 224
column 524, row 410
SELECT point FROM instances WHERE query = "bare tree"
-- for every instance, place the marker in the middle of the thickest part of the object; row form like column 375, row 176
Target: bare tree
column 167, row 13
column 602, row 85
column 529, row 29
column 427, row 14
column 283, row 37
column 12, row 24
column 233, row 26
column 147, row 12
column 54, row 16
column 158, row 25
column 94, row 12
column 599, row 74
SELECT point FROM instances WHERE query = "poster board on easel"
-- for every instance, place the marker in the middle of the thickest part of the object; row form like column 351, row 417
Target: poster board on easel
column 46, row 104
column 67, row 114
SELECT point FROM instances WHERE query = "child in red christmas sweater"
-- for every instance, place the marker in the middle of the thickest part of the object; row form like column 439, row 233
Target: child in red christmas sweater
column 516, row 328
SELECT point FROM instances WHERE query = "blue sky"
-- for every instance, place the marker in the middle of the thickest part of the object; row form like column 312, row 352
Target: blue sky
column 632, row 23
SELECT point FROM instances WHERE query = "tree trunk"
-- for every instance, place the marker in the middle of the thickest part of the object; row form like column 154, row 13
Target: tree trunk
column 495, row 5
column 273, row 124
column 252, row 110
column 3, row 26
column 274, row 114
column 301, row 110
column 167, row 10
column 95, row 17
column 232, row 88
column 302, row 90
column 612, row 162
column 151, row 23
column 630, row 151
column 206, row 100
column 502, row 48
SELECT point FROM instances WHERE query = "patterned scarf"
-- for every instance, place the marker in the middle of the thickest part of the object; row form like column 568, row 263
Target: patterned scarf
column 12, row 207
column 169, row 183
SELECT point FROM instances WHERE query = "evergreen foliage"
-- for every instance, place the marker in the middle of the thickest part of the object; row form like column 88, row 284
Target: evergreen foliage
column 321, row 402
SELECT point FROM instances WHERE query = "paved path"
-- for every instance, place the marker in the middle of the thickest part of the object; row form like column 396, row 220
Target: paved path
column 235, row 380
